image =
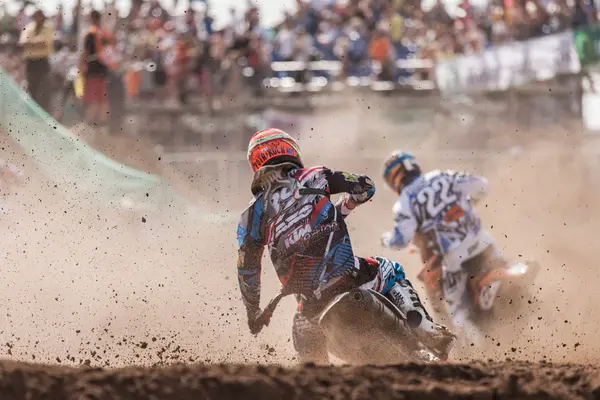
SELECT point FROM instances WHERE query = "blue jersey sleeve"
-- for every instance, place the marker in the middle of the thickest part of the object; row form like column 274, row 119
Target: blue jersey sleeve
column 250, row 251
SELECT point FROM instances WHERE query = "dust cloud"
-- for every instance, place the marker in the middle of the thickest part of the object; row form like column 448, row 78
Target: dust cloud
column 106, row 281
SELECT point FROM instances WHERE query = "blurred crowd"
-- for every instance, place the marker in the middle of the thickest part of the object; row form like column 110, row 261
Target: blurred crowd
column 353, row 31
column 173, row 57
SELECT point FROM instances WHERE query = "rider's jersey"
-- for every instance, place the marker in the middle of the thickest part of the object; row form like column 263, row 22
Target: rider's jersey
column 306, row 235
column 438, row 206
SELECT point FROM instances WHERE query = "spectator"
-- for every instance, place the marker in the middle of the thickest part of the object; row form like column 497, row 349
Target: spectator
column 285, row 41
column 302, row 46
column 190, row 21
column 181, row 65
column 163, row 56
column 232, row 27
column 328, row 33
column 36, row 40
column 321, row 5
column 584, row 13
column 111, row 19
column 538, row 18
column 520, row 23
column 257, row 60
column 355, row 32
column 395, row 24
column 58, row 20
column 75, row 24
column 354, row 51
column 306, row 18
column 559, row 17
column 498, row 30
column 153, row 9
column 438, row 17
column 253, row 21
column 22, row 19
column 95, row 65
column 207, row 22
column 380, row 50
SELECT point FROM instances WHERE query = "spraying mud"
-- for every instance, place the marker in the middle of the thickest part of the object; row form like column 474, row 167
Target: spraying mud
column 143, row 278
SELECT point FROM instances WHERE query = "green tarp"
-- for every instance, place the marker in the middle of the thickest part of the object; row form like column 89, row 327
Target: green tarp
column 587, row 43
column 65, row 160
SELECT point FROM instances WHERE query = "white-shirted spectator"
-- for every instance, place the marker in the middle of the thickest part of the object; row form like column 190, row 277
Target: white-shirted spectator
column 286, row 39
column 37, row 43
column 302, row 46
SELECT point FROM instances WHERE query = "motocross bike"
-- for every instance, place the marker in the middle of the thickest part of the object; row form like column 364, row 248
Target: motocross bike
column 492, row 290
column 362, row 326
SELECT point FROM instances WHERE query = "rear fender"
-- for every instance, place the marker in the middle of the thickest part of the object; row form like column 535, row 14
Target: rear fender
column 333, row 303
column 528, row 270
column 510, row 282
column 524, row 272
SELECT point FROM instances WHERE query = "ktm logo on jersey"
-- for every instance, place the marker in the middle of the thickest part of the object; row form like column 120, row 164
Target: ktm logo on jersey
column 305, row 231
column 297, row 234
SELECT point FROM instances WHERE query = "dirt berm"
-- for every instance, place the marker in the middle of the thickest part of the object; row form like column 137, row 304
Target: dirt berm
column 508, row 380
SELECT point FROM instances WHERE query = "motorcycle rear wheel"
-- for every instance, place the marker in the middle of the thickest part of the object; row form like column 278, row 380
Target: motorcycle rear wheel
column 364, row 327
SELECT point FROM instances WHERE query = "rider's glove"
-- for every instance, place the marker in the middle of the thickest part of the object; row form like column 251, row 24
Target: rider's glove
column 255, row 325
column 386, row 239
column 345, row 206
column 472, row 200
column 256, row 321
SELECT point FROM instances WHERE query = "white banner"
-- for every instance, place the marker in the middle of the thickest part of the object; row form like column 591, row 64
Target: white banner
column 509, row 65
column 590, row 102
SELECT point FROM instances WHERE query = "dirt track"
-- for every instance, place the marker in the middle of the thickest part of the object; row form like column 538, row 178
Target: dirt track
column 510, row 380
column 90, row 283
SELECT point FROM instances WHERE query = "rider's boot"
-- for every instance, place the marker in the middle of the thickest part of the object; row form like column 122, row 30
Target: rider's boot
column 433, row 335
column 487, row 271
column 309, row 340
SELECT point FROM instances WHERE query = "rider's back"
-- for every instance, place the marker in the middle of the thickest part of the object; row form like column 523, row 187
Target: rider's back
column 293, row 216
column 438, row 204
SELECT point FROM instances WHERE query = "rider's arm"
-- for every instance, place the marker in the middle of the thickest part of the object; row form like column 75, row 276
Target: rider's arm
column 405, row 225
column 251, row 247
column 360, row 189
column 475, row 187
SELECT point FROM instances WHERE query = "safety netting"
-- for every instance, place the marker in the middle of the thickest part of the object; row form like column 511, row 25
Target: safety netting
column 68, row 161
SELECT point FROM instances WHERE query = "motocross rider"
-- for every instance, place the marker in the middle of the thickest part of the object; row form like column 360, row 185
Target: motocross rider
column 435, row 211
column 308, row 242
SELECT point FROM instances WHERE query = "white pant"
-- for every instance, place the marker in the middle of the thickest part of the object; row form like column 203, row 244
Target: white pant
column 455, row 279
column 473, row 245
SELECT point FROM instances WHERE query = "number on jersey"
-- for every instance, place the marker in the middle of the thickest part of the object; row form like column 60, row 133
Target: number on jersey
column 436, row 197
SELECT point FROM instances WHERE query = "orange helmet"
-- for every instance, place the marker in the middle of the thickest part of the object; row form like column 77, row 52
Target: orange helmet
column 271, row 146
